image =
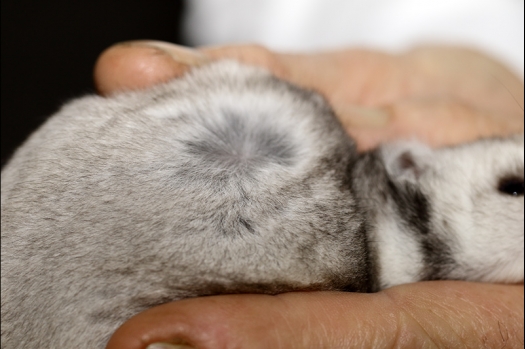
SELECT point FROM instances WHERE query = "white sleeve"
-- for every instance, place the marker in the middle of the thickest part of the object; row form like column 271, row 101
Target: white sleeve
column 493, row 26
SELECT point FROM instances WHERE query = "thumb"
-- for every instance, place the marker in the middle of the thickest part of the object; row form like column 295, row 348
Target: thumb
column 427, row 314
column 139, row 64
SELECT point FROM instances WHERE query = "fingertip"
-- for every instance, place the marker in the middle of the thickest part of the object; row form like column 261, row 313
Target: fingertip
column 194, row 323
column 162, row 324
column 139, row 64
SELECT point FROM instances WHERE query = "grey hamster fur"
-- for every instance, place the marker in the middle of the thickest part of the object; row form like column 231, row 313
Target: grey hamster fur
column 229, row 180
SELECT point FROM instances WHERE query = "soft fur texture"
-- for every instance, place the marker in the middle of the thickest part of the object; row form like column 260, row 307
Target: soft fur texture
column 229, row 180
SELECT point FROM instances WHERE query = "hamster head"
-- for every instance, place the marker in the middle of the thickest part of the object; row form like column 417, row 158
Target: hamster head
column 475, row 205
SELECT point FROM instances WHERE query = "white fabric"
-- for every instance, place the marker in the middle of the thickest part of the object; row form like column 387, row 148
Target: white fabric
column 493, row 26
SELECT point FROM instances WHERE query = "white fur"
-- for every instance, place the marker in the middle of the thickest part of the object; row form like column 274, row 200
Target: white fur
column 398, row 253
column 488, row 224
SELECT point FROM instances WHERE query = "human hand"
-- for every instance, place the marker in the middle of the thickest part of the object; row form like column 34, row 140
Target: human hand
column 442, row 96
column 442, row 314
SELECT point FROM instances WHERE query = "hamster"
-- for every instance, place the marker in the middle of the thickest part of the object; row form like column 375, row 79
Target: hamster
column 229, row 180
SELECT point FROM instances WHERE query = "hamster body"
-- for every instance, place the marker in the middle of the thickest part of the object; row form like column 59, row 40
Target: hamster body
column 229, row 180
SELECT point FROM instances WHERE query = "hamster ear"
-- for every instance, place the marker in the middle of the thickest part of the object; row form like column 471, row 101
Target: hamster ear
column 406, row 161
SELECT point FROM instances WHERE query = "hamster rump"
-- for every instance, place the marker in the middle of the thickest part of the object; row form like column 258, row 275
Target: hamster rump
column 227, row 180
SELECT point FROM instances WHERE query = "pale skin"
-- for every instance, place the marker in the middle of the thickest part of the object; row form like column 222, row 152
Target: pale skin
column 439, row 95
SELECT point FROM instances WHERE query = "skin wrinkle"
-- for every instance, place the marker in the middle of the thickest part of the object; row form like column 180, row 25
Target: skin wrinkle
column 316, row 325
column 488, row 310
column 503, row 324
column 405, row 308
column 318, row 319
column 397, row 335
column 451, row 329
column 280, row 337
column 367, row 330
column 406, row 327
column 503, row 338
column 288, row 324
column 402, row 315
column 308, row 326
column 460, row 335
column 480, row 318
column 391, row 322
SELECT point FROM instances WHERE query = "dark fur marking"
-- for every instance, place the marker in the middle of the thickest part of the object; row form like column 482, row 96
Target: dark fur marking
column 246, row 224
column 238, row 147
column 369, row 195
column 437, row 258
column 412, row 206
column 367, row 279
column 414, row 209
column 240, row 287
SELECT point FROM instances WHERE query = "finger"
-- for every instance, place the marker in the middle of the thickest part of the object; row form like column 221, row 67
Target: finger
column 371, row 93
column 351, row 77
column 143, row 63
column 432, row 314
column 140, row 64
column 449, row 122
column 468, row 75
column 439, row 122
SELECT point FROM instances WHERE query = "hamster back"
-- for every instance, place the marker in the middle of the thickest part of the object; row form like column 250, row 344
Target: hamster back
column 226, row 180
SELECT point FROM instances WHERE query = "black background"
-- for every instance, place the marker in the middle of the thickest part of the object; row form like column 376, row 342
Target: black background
column 49, row 49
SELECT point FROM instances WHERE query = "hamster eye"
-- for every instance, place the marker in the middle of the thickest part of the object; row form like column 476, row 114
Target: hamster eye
column 511, row 186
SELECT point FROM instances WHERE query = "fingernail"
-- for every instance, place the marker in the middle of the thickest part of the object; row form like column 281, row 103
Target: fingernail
column 180, row 54
column 167, row 346
column 363, row 117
